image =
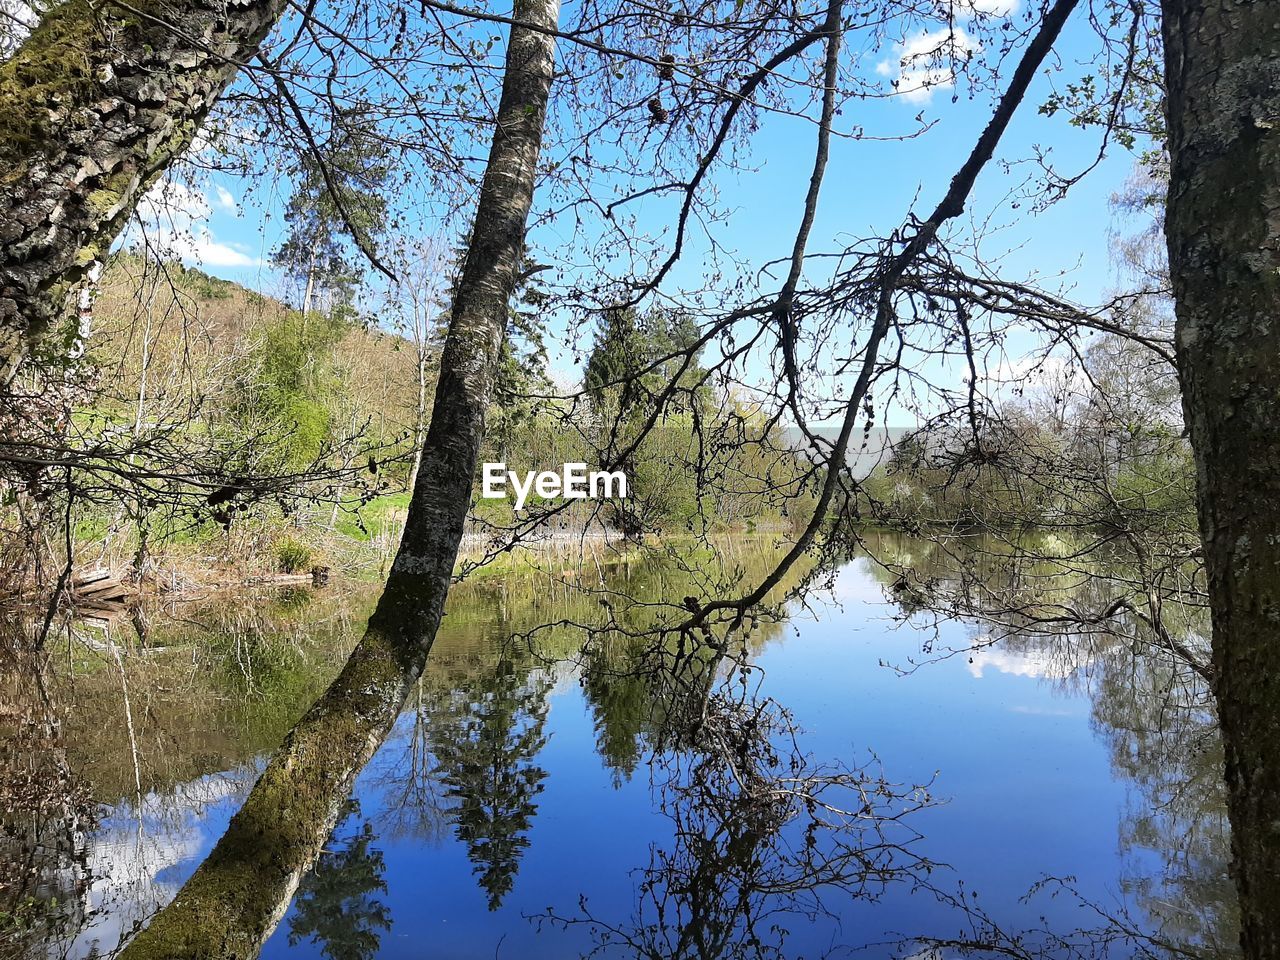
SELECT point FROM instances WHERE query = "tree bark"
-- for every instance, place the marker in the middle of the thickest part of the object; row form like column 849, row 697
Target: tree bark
column 233, row 901
column 1222, row 69
column 311, row 286
column 93, row 107
column 420, row 416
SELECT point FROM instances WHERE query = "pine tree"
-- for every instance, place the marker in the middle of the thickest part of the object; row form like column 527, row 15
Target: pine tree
column 338, row 207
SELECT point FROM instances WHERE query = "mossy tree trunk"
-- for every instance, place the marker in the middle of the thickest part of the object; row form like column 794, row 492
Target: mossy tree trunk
column 1223, row 228
column 93, row 107
column 236, row 897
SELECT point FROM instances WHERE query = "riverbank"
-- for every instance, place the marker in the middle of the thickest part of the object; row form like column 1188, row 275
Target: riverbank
column 102, row 590
column 353, row 545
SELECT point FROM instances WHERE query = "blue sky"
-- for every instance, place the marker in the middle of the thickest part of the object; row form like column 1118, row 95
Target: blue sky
column 869, row 188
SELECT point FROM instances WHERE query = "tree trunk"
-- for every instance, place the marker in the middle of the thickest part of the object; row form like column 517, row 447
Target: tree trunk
column 311, row 286
column 93, row 107
column 420, row 418
column 230, row 905
column 1222, row 70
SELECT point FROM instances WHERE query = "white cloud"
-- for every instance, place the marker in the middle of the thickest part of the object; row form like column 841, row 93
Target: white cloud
column 137, row 859
column 174, row 200
column 1045, row 664
column 173, row 219
column 208, row 251
column 1052, row 380
column 925, row 61
column 1036, row 711
column 225, row 200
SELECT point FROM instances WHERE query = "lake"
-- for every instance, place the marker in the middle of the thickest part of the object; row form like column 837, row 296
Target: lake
column 851, row 782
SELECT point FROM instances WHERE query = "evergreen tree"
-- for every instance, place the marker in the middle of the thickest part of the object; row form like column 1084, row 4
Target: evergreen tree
column 485, row 742
column 522, row 361
column 627, row 345
column 338, row 204
column 337, row 906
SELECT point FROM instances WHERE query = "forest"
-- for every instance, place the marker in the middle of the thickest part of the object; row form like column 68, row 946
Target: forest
column 925, row 354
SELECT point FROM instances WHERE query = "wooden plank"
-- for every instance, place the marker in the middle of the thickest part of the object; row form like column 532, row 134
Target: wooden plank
column 93, row 576
column 103, row 591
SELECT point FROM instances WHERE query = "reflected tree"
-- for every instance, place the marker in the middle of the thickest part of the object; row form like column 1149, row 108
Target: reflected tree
column 45, row 812
column 414, row 804
column 1164, row 741
column 761, row 833
column 641, row 694
column 620, row 706
column 337, row 905
column 485, row 739
column 1151, row 705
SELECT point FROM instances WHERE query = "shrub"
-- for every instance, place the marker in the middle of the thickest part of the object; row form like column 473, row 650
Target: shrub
column 292, row 554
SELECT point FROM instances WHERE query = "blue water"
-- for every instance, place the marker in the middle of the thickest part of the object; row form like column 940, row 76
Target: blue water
column 1022, row 779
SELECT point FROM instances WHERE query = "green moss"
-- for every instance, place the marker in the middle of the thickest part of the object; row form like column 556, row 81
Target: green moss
column 53, row 71
column 230, row 904
column 62, row 67
column 107, row 198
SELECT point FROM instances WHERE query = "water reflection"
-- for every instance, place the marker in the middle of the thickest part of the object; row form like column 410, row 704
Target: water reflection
column 761, row 835
column 337, row 905
column 635, row 797
column 486, row 739
column 1150, row 705
column 1160, row 728
column 45, row 866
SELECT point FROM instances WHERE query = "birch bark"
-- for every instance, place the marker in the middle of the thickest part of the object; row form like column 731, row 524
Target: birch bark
column 94, row 106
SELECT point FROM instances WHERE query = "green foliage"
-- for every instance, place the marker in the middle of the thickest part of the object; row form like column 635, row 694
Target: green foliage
column 292, row 554
column 626, row 367
column 337, row 906
column 1112, row 458
column 205, row 287
column 1160, row 484
column 522, row 364
column 1124, row 96
column 630, row 366
column 617, row 353
column 289, row 377
column 663, row 480
column 486, row 741
column 337, row 210
column 362, row 520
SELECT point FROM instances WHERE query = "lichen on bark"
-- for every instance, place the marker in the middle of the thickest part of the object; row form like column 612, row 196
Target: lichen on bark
column 1222, row 75
column 94, row 106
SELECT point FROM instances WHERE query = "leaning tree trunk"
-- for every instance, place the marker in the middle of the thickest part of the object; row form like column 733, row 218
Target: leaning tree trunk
column 93, row 107
column 1222, row 68
column 236, row 897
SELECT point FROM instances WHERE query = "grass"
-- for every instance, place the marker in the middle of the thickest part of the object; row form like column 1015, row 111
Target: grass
column 382, row 512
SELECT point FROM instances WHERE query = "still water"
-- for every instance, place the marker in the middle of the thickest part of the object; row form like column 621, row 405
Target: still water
column 857, row 777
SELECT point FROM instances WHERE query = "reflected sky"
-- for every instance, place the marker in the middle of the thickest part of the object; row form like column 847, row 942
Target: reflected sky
column 506, row 796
